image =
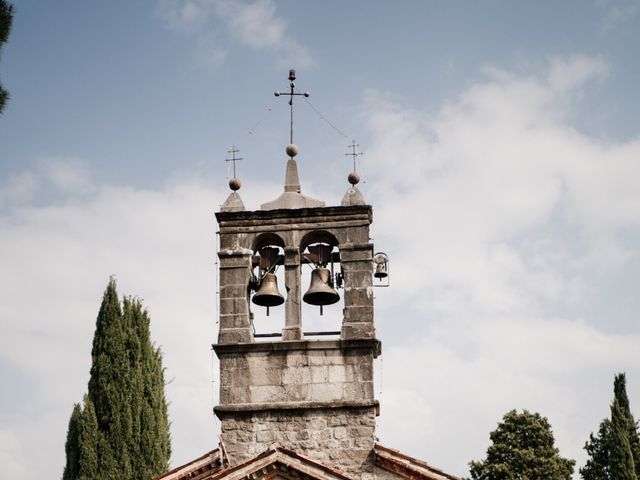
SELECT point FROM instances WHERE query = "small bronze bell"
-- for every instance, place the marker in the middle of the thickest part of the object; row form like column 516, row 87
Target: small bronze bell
column 320, row 290
column 268, row 294
column 381, row 271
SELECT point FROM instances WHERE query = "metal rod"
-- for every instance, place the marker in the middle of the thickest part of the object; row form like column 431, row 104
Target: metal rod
column 310, row 334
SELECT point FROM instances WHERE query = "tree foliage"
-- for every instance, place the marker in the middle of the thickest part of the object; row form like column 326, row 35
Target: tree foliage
column 6, row 19
column 522, row 448
column 614, row 453
column 121, row 430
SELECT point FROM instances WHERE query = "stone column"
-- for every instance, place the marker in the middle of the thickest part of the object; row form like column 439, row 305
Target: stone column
column 292, row 309
column 356, row 262
column 235, row 272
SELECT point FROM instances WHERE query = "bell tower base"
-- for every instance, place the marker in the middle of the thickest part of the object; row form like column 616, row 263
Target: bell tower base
column 313, row 397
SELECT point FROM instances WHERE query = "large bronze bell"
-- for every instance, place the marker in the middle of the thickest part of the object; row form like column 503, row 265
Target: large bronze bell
column 320, row 291
column 268, row 294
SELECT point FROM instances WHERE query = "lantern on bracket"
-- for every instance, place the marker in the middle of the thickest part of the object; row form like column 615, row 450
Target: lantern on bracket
column 381, row 269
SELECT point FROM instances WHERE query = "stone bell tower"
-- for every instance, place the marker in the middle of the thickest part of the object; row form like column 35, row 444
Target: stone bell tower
column 314, row 397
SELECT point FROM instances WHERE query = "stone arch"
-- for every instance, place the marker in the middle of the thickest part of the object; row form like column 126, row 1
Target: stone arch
column 268, row 238
column 318, row 236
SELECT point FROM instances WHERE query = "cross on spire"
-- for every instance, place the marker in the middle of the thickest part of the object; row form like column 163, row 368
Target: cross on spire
column 291, row 94
column 354, row 153
column 232, row 151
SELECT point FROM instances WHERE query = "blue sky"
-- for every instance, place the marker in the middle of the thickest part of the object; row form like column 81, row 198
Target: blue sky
column 507, row 129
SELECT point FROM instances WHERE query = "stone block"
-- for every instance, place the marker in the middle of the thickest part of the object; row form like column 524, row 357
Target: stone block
column 240, row 378
column 297, row 359
column 319, row 374
column 234, row 306
column 339, row 433
column 296, row 376
column 265, row 375
column 325, row 392
column 317, row 357
column 317, row 423
column 296, row 393
column 233, row 290
column 265, row 393
column 357, row 278
column 358, row 314
column 235, row 335
column 358, row 297
column 265, row 436
column 365, row 372
column 357, row 330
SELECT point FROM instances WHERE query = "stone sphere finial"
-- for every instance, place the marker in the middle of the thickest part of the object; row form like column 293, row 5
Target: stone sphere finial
column 291, row 150
column 353, row 178
column 234, row 184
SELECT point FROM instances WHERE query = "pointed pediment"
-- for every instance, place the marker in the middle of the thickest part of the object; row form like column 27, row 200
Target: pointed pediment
column 275, row 463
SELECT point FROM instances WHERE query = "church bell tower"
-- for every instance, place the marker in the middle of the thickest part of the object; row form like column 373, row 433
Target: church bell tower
column 299, row 391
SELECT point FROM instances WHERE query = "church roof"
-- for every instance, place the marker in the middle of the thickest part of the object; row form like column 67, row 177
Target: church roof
column 407, row 467
column 286, row 463
column 202, row 468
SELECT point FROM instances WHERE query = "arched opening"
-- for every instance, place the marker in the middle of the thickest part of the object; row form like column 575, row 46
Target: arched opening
column 267, row 288
column 321, row 284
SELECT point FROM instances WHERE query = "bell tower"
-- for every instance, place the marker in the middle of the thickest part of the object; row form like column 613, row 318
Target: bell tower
column 302, row 392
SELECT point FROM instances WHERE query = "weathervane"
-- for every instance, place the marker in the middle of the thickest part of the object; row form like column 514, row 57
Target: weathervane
column 292, row 78
column 354, row 153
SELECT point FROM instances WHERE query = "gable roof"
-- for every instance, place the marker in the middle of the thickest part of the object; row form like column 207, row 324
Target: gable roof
column 271, row 462
column 289, row 464
column 407, row 467
column 199, row 469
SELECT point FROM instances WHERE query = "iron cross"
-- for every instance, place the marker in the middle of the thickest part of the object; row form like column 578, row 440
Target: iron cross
column 232, row 151
column 354, row 153
column 292, row 79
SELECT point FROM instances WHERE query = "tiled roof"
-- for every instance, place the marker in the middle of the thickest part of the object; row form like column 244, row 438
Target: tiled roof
column 281, row 460
column 406, row 466
column 202, row 468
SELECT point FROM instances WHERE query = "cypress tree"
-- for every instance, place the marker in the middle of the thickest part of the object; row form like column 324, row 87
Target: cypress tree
column 614, row 453
column 123, row 430
column 71, row 446
column 88, row 438
column 6, row 19
column 630, row 425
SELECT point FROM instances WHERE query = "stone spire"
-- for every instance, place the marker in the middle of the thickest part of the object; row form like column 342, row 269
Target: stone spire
column 291, row 197
column 353, row 196
column 233, row 203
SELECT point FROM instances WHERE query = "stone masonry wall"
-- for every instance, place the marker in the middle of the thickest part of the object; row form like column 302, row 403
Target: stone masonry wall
column 341, row 437
column 304, row 374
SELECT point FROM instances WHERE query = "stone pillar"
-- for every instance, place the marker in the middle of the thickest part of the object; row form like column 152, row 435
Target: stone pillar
column 293, row 312
column 357, row 268
column 235, row 273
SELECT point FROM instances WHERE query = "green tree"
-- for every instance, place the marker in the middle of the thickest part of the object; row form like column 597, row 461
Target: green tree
column 614, row 453
column 122, row 430
column 82, row 443
column 522, row 448
column 6, row 18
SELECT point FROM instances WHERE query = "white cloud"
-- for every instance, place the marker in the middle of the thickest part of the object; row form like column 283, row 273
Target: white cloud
column 616, row 13
column 253, row 24
column 518, row 222
column 18, row 188
column 66, row 174
column 515, row 217
column 11, row 457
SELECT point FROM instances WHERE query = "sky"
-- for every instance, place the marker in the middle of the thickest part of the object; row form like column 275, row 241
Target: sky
column 501, row 157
